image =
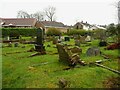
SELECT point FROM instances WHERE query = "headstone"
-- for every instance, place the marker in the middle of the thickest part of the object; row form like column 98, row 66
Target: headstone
column 9, row 44
column 67, row 38
column 55, row 40
column 39, row 41
column 7, row 38
column 82, row 39
column 23, row 47
column 88, row 39
column 16, row 44
column 48, row 45
column 102, row 43
column 59, row 40
column 93, row 51
column 77, row 42
column 66, row 56
column 76, row 50
column 63, row 83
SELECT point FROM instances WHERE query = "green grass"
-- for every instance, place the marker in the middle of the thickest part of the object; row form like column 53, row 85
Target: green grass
column 18, row 73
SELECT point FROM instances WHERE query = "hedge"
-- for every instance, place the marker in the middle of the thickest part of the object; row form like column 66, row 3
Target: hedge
column 53, row 32
column 18, row 31
column 77, row 32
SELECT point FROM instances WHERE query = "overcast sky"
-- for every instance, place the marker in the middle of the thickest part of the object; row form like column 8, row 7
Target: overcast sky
column 67, row 11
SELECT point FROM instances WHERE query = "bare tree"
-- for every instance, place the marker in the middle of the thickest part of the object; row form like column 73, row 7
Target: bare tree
column 22, row 14
column 50, row 13
column 39, row 16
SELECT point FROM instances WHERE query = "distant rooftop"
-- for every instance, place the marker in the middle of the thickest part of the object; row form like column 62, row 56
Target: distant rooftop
column 18, row 21
column 53, row 24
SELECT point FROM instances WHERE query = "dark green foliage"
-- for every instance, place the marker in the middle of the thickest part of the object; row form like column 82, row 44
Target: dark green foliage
column 99, row 33
column 113, row 29
column 53, row 32
column 18, row 31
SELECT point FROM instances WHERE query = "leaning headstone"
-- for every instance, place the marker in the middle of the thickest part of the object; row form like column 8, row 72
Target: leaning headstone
column 67, row 38
column 16, row 44
column 9, row 44
column 93, row 51
column 66, row 56
column 77, row 42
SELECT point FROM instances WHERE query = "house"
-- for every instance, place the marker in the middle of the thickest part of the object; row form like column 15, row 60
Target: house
column 82, row 25
column 86, row 26
column 20, row 23
column 54, row 24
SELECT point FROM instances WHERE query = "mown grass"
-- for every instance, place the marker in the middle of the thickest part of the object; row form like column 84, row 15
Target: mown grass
column 18, row 72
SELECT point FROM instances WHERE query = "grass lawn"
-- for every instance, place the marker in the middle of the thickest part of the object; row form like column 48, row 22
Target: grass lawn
column 18, row 72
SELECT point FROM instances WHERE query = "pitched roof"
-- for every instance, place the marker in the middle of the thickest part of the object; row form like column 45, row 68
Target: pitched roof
column 81, row 23
column 18, row 21
column 52, row 24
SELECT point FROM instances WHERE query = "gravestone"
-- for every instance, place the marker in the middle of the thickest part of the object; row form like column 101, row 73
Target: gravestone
column 55, row 40
column 66, row 56
column 76, row 50
column 88, row 39
column 16, row 44
column 39, row 41
column 7, row 38
column 93, row 51
column 82, row 39
column 67, row 38
column 9, row 44
column 77, row 42
column 48, row 45
column 59, row 40
column 102, row 43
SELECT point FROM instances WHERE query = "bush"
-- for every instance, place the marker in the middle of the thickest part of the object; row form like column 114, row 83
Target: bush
column 53, row 32
column 99, row 33
column 18, row 31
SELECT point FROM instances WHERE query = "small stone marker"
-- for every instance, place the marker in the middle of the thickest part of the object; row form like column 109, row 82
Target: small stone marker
column 93, row 51
column 48, row 45
column 9, row 44
column 63, row 83
column 102, row 43
column 76, row 50
column 16, row 44
column 88, row 39
column 55, row 40
column 82, row 39
column 67, row 38
column 77, row 42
